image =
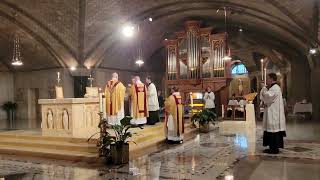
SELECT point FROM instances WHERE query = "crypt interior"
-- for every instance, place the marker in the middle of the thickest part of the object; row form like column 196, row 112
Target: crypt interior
column 84, row 41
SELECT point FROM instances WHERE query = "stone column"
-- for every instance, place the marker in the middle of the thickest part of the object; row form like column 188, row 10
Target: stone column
column 315, row 95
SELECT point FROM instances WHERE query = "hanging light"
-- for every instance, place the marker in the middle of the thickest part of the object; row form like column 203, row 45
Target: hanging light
column 227, row 57
column 139, row 62
column 16, row 58
column 128, row 31
column 313, row 51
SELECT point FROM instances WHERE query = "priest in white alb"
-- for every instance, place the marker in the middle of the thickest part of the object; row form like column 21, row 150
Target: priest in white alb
column 274, row 122
column 139, row 102
column 153, row 104
column 114, row 94
column 174, row 119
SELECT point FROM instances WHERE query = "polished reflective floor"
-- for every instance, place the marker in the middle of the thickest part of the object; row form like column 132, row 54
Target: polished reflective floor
column 213, row 155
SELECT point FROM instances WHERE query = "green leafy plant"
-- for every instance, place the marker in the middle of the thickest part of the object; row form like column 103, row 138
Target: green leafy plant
column 10, row 108
column 121, row 135
column 204, row 117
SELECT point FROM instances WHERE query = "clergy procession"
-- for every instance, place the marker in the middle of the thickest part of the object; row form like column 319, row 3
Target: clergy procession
column 144, row 106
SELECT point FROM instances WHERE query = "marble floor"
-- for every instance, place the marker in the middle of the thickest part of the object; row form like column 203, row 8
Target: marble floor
column 214, row 155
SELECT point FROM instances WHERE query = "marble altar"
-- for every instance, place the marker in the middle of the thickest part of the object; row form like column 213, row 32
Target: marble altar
column 71, row 117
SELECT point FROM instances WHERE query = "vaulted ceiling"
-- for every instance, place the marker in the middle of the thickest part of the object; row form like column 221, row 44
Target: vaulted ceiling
column 56, row 33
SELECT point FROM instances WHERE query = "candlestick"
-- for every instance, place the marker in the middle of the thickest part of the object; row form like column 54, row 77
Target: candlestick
column 104, row 106
column 265, row 76
column 262, row 69
column 58, row 79
column 222, row 111
column 100, row 101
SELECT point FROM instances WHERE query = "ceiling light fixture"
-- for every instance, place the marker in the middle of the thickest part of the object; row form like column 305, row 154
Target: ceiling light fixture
column 16, row 58
column 128, row 30
column 150, row 19
column 73, row 68
column 240, row 29
column 313, row 51
column 139, row 62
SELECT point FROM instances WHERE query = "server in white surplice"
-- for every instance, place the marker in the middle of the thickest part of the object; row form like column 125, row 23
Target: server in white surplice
column 274, row 125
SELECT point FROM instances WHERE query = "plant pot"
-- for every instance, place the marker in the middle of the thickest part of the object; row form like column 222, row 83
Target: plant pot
column 204, row 127
column 120, row 153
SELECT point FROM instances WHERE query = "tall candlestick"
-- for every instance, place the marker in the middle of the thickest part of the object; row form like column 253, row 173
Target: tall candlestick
column 262, row 69
column 100, row 101
column 222, row 111
column 265, row 76
column 104, row 106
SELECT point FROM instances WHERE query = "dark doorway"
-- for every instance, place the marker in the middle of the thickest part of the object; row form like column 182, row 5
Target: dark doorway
column 80, row 84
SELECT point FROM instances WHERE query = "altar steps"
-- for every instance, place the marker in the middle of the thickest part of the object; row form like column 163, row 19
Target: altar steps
column 32, row 143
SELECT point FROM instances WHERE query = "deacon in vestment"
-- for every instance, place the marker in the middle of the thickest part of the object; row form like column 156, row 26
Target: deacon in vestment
column 153, row 104
column 114, row 94
column 174, row 120
column 274, row 125
column 139, row 102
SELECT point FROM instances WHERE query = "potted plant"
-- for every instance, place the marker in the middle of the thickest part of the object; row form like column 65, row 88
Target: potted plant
column 115, row 147
column 10, row 108
column 203, row 118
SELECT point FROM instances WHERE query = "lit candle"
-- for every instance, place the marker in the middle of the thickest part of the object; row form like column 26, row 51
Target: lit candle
column 265, row 76
column 100, row 101
column 262, row 69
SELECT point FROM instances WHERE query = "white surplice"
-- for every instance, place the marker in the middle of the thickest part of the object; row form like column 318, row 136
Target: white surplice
column 273, row 118
column 153, row 104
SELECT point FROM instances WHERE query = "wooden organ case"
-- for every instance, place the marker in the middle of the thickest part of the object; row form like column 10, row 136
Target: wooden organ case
column 195, row 60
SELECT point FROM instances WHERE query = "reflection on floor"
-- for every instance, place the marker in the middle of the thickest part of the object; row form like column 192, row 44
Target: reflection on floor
column 214, row 155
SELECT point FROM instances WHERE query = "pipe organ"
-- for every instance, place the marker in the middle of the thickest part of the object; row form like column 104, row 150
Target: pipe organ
column 195, row 59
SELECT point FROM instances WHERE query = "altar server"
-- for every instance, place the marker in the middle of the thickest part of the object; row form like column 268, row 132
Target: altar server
column 114, row 94
column 209, row 98
column 274, row 124
column 174, row 119
column 139, row 102
column 153, row 104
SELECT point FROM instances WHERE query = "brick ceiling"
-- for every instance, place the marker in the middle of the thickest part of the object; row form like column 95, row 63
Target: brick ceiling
column 64, row 33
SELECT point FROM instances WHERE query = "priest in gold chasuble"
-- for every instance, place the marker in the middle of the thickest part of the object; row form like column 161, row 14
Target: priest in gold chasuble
column 114, row 94
column 174, row 119
column 139, row 102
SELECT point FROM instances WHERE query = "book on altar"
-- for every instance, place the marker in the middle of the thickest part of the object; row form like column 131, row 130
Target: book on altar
column 91, row 92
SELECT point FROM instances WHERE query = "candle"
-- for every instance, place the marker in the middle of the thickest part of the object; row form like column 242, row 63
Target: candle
column 100, row 101
column 104, row 106
column 262, row 69
column 222, row 111
column 265, row 76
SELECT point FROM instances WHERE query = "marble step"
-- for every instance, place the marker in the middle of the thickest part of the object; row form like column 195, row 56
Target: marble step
column 148, row 140
column 48, row 153
column 79, row 147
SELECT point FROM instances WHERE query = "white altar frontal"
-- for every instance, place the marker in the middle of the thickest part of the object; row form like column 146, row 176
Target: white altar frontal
column 70, row 117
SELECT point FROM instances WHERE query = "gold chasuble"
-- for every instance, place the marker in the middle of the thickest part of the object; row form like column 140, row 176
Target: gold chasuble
column 139, row 104
column 174, row 119
column 114, row 94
